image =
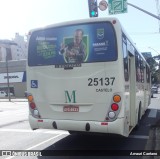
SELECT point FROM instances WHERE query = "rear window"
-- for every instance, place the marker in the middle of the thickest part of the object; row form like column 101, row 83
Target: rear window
column 74, row 44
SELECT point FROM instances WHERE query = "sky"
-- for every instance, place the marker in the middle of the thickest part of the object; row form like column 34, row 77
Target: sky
column 19, row 16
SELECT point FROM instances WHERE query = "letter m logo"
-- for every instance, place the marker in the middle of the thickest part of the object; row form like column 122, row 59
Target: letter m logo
column 70, row 98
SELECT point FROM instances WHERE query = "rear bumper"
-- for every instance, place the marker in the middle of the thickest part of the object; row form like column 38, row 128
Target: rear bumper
column 116, row 127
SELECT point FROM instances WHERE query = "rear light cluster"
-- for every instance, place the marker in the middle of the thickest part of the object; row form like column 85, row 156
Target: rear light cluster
column 32, row 106
column 114, row 108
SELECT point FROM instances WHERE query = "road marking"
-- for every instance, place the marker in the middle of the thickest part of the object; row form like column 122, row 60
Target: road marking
column 15, row 130
column 138, row 136
column 152, row 113
column 46, row 131
column 41, row 143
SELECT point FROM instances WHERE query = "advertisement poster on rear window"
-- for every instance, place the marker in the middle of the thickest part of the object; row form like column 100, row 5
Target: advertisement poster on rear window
column 74, row 44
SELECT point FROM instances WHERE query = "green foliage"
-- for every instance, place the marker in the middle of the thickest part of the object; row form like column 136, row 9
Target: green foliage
column 154, row 66
column 157, row 57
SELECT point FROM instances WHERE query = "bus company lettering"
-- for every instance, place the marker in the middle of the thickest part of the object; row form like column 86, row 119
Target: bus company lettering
column 100, row 44
column 68, row 65
column 104, row 90
column 70, row 97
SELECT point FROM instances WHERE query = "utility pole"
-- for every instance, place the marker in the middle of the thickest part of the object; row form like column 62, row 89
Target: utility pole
column 155, row 16
column 8, row 85
column 158, row 12
column 7, row 46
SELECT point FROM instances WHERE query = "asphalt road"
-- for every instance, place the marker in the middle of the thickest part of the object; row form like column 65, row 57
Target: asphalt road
column 15, row 134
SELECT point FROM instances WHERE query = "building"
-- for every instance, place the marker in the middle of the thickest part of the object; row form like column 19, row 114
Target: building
column 13, row 55
column 147, row 55
column 16, row 75
column 15, row 49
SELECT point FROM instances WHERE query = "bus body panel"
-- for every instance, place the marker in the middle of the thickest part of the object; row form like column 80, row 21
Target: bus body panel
column 80, row 98
column 80, row 126
column 89, row 89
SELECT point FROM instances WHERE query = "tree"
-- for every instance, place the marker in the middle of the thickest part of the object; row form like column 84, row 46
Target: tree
column 154, row 70
column 157, row 72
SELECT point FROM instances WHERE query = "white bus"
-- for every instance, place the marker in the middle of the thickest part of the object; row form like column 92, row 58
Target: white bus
column 86, row 76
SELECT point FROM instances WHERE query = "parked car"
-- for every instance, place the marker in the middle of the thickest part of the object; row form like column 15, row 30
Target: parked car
column 25, row 94
column 154, row 89
column 11, row 94
column 3, row 94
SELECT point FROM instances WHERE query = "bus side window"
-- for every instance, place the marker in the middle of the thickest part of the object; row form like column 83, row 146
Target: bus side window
column 142, row 70
column 137, row 68
column 147, row 74
column 125, row 61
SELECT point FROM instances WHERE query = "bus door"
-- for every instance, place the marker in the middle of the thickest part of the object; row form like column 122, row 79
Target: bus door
column 146, row 86
column 132, row 89
column 142, row 85
column 130, row 80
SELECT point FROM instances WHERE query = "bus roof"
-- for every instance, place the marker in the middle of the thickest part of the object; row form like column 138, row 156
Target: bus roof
column 89, row 20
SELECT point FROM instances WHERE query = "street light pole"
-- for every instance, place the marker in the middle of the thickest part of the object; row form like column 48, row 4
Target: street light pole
column 7, row 45
column 157, row 17
column 8, row 86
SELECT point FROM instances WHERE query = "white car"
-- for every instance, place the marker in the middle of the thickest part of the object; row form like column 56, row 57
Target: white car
column 11, row 94
column 3, row 94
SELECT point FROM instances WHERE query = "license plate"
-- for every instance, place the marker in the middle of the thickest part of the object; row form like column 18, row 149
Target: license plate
column 71, row 109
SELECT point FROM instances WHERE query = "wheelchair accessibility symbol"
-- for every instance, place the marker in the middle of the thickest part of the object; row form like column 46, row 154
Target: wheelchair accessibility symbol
column 34, row 83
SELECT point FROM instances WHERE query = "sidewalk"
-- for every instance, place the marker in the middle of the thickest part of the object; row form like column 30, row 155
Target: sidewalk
column 13, row 112
column 155, row 102
column 13, row 100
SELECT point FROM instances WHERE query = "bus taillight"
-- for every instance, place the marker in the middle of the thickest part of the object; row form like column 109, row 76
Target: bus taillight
column 32, row 105
column 111, row 115
column 114, row 107
column 30, row 98
column 33, row 108
column 116, row 98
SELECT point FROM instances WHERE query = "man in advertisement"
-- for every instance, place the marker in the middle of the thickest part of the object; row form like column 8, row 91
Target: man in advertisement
column 74, row 52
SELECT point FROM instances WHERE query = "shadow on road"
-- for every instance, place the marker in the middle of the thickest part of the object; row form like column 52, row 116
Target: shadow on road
column 106, row 146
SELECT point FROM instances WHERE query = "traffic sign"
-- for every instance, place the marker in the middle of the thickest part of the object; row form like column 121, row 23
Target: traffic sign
column 103, row 5
column 117, row 6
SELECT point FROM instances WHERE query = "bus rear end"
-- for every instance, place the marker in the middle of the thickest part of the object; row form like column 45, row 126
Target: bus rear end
column 74, row 78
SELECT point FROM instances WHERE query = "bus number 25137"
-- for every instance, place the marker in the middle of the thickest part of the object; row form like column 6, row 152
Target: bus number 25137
column 101, row 81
